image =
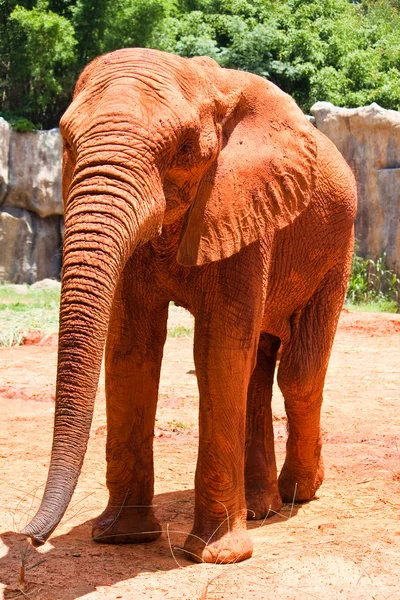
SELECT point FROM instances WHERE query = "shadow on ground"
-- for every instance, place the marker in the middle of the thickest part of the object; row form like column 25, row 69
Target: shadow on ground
column 69, row 560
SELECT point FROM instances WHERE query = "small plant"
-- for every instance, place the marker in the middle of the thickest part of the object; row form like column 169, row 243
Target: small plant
column 27, row 552
column 179, row 426
column 373, row 282
column 180, row 331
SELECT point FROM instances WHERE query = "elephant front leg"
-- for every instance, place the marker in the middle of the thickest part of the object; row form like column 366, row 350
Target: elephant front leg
column 133, row 359
column 261, row 480
column 219, row 533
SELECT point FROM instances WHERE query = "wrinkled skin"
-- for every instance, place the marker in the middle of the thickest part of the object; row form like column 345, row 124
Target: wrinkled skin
column 187, row 182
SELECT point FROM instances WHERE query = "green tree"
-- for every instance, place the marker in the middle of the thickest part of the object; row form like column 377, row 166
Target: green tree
column 343, row 51
column 132, row 23
column 89, row 19
column 39, row 49
column 336, row 50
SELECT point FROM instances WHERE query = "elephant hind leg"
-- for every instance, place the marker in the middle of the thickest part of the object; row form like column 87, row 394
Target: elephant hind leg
column 261, row 480
column 301, row 377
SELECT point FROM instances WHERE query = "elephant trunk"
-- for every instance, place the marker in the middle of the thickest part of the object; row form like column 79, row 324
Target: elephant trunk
column 101, row 233
column 86, row 301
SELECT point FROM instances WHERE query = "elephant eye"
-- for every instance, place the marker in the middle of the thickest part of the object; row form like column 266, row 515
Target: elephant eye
column 186, row 154
column 196, row 150
column 67, row 146
column 187, row 148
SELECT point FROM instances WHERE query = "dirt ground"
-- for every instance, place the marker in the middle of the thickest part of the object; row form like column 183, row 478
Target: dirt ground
column 343, row 545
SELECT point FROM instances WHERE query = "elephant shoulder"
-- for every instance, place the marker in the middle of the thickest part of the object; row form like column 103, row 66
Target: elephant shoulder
column 335, row 183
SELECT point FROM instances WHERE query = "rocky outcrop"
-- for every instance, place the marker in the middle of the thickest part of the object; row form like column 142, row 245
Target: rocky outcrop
column 30, row 247
column 15, row 245
column 30, row 205
column 369, row 139
column 35, row 172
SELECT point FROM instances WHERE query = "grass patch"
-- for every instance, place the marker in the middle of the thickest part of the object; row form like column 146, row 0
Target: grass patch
column 386, row 306
column 180, row 331
column 25, row 308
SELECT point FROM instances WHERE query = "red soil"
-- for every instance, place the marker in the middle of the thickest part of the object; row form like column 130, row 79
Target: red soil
column 344, row 545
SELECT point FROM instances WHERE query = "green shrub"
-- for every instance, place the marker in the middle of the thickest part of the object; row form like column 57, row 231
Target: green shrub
column 18, row 123
column 373, row 282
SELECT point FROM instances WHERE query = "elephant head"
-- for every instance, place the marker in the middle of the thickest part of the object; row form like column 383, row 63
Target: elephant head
column 152, row 140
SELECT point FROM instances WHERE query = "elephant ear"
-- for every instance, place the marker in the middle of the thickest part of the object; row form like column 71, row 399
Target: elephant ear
column 261, row 180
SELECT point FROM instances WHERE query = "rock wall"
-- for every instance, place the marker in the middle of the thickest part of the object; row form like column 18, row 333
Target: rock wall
column 369, row 139
column 30, row 205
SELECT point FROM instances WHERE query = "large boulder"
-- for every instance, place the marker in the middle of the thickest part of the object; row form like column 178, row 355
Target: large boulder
column 369, row 139
column 5, row 134
column 35, row 172
column 30, row 247
column 46, row 284
column 31, row 204
column 16, row 236
column 46, row 248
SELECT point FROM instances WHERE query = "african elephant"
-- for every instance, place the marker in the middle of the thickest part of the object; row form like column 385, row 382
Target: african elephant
column 187, row 182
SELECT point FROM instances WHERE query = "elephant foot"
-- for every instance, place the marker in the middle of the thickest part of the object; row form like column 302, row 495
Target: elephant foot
column 126, row 526
column 230, row 548
column 299, row 485
column 262, row 503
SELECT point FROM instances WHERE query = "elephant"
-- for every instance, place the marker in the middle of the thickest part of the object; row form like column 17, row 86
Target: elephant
column 184, row 181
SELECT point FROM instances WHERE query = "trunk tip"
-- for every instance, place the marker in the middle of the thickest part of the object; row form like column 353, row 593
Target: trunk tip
column 36, row 539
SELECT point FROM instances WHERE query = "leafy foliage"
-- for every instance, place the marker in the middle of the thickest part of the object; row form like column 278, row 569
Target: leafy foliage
column 346, row 52
column 36, row 52
column 372, row 281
